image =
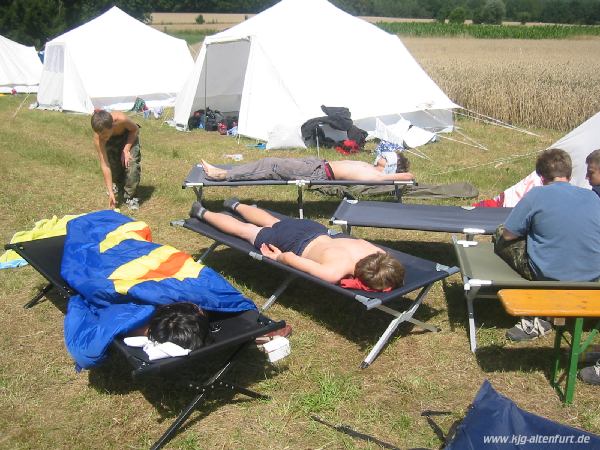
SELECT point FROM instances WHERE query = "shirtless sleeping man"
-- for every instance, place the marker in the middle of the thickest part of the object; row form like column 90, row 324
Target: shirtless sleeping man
column 305, row 245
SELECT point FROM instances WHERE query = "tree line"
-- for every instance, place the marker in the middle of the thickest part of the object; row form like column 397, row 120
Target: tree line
column 33, row 22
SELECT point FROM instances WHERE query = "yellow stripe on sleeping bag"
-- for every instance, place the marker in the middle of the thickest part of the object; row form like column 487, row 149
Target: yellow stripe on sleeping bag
column 161, row 263
column 130, row 230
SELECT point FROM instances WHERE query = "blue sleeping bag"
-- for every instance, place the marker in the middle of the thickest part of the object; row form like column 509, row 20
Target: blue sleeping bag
column 121, row 276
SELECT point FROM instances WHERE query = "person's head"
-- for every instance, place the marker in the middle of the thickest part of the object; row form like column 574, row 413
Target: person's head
column 553, row 163
column 181, row 323
column 593, row 168
column 403, row 164
column 101, row 120
column 380, row 271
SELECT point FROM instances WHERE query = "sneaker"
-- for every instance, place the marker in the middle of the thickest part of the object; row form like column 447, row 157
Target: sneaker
column 133, row 203
column 591, row 374
column 283, row 332
column 231, row 203
column 529, row 328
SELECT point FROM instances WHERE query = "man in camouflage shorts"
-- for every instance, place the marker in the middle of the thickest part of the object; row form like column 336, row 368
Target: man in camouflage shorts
column 116, row 138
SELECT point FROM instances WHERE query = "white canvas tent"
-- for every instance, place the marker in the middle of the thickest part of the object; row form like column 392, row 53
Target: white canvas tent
column 278, row 67
column 20, row 67
column 108, row 62
column 578, row 143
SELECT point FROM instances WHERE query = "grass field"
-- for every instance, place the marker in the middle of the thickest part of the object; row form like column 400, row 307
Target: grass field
column 51, row 169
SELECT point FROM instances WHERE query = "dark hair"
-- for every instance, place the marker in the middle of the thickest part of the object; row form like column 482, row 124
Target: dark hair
column 380, row 271
column 593, row 158
column 181, row 323
column 553, row 163
column 403, row 164
column 101, row 120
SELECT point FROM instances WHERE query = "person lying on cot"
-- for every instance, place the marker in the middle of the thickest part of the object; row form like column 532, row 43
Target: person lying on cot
column 306, row 245
column 313, row 169
column 185, row 324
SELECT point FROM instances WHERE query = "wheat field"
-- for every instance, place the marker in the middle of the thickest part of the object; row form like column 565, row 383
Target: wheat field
column 543, row 83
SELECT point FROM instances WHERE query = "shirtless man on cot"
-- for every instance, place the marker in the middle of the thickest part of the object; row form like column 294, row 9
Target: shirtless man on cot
column 305, row 245
column 310, row 168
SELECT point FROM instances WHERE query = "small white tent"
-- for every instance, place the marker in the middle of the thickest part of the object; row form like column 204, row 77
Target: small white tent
column 108, row 62
column 278, row 68
column 578, row 143
column 20, row 67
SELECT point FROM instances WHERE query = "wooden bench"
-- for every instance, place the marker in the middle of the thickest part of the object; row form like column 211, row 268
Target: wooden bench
column 569, row 308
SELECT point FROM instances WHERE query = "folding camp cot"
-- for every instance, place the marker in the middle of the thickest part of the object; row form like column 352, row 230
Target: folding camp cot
column 420, row 274
column 485, row 273
column 231, row 333
column 197, row 180
column 450, row 219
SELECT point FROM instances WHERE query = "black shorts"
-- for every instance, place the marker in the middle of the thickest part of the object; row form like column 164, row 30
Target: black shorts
column 290, row 235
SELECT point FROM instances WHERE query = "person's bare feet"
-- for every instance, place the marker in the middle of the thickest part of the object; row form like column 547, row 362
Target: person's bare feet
column 213, row 172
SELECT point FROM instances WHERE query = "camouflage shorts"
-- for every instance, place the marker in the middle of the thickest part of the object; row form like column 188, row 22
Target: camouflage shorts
column 514, row 252
column 126, row 179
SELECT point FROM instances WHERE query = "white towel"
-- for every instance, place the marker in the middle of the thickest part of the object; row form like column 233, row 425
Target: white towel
column 156, row 350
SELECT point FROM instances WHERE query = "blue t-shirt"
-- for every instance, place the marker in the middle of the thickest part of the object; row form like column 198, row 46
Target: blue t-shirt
column 562, row 225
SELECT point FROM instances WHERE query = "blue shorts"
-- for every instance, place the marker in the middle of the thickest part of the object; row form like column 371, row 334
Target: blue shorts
column 290, row 235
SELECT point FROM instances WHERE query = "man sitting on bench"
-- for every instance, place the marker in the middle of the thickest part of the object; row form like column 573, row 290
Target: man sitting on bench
column 312, row 169
column 305, row 245
column 561, row 223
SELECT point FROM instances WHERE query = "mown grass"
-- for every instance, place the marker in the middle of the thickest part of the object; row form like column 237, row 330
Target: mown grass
column 482, row 31
column 51, row 168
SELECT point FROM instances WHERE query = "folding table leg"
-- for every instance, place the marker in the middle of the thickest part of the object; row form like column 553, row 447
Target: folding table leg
column 38, row 297
column 282, row 287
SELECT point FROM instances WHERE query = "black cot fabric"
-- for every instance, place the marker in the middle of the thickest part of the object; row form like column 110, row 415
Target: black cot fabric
column 227, row 330
column 449, row 219
column 419, row 272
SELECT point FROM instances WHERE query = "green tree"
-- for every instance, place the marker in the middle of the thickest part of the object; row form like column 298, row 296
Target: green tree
column 493, row 12
column 458, row 15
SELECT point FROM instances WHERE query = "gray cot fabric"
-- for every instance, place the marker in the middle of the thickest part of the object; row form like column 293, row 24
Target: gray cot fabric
column 279, row 169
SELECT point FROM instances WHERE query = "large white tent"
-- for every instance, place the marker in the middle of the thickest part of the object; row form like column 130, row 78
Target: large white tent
column 578, row 143
column 20, row 67
column 278, row 67
column 108, row 62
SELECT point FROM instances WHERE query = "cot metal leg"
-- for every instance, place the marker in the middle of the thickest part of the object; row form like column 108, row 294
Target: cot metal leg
column 38, row 297
column 282, row 287
column 208, row 251
column 300, row 201
column 405, row 316
column 205, row 388
column 470, row 296
column 198, row 192
column 397, row 193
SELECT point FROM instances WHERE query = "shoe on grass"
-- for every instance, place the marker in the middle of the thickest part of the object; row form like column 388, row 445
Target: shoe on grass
column 133, row 203
column 529, row 328
column 591, row 374
column 283, row 332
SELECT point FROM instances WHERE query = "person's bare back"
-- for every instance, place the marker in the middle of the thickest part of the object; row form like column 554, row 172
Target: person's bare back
column 340, row 253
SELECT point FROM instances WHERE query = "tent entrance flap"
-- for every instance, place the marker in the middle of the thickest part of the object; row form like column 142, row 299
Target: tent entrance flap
column 222, row 78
